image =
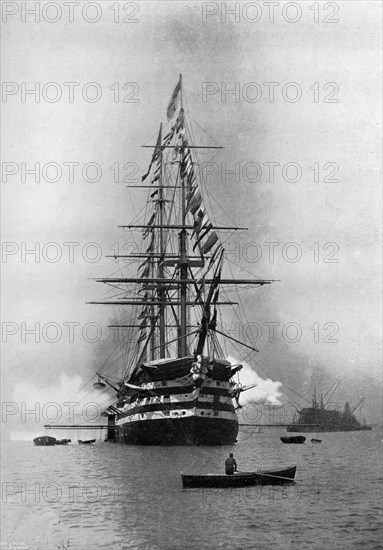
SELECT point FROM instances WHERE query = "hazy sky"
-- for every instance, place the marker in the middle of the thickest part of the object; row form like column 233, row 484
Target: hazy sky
column 325, row 127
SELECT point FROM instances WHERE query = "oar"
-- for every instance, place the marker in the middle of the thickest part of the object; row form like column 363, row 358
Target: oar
column 268, row 475
column 278, row 477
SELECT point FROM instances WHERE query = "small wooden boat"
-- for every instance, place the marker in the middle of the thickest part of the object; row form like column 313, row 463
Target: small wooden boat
column 293, row 439
column 86, row 441
column 282, row 476
column 62, row 441
column 316, row 441
column 45, row 441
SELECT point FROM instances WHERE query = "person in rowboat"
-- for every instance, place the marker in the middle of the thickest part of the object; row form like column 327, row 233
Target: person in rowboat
column 230, row 465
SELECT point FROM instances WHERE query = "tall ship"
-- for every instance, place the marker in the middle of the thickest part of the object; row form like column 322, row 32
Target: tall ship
column 322, row 418
column 177, row 387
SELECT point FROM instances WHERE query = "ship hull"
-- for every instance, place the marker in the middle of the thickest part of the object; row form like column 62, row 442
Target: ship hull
column 168, row 405
column 180, row 431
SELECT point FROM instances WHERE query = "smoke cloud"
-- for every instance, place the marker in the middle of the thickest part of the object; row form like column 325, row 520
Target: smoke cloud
column 266, row 391
column 66, row 402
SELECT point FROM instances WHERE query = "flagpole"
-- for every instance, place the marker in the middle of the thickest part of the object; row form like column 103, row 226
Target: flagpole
column 182, row 106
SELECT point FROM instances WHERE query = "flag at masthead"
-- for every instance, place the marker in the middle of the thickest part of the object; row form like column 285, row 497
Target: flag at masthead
column 173, row 103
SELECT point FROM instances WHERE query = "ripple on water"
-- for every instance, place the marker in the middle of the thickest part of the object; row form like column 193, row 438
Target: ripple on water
column 132, row 497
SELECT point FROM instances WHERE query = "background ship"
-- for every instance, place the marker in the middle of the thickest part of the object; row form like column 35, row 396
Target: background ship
column 177, row 388
column 318, row 418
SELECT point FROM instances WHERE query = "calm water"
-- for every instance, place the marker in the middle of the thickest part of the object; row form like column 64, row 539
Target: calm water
column 120, row 497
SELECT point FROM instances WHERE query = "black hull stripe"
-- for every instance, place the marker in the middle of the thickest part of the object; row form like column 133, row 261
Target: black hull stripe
column 179, row 405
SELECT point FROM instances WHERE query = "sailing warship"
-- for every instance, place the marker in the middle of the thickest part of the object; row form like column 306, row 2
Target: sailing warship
column 178, row 387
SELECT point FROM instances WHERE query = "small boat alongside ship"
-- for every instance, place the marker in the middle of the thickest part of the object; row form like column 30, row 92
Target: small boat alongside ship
column 44, row 441
column 49, row 441
column 316, row 441
column 283, row 476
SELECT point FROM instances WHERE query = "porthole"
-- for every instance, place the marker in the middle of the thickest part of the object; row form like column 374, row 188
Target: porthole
column 202, row 413
column 183, row 412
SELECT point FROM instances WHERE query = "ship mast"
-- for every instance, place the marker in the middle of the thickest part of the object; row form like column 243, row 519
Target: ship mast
column 182, row 342
column 178, row 217
column 160, row 270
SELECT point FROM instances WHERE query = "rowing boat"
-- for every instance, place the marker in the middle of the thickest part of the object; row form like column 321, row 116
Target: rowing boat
column 45, row 441
column 241, row 479
column 295, row 439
